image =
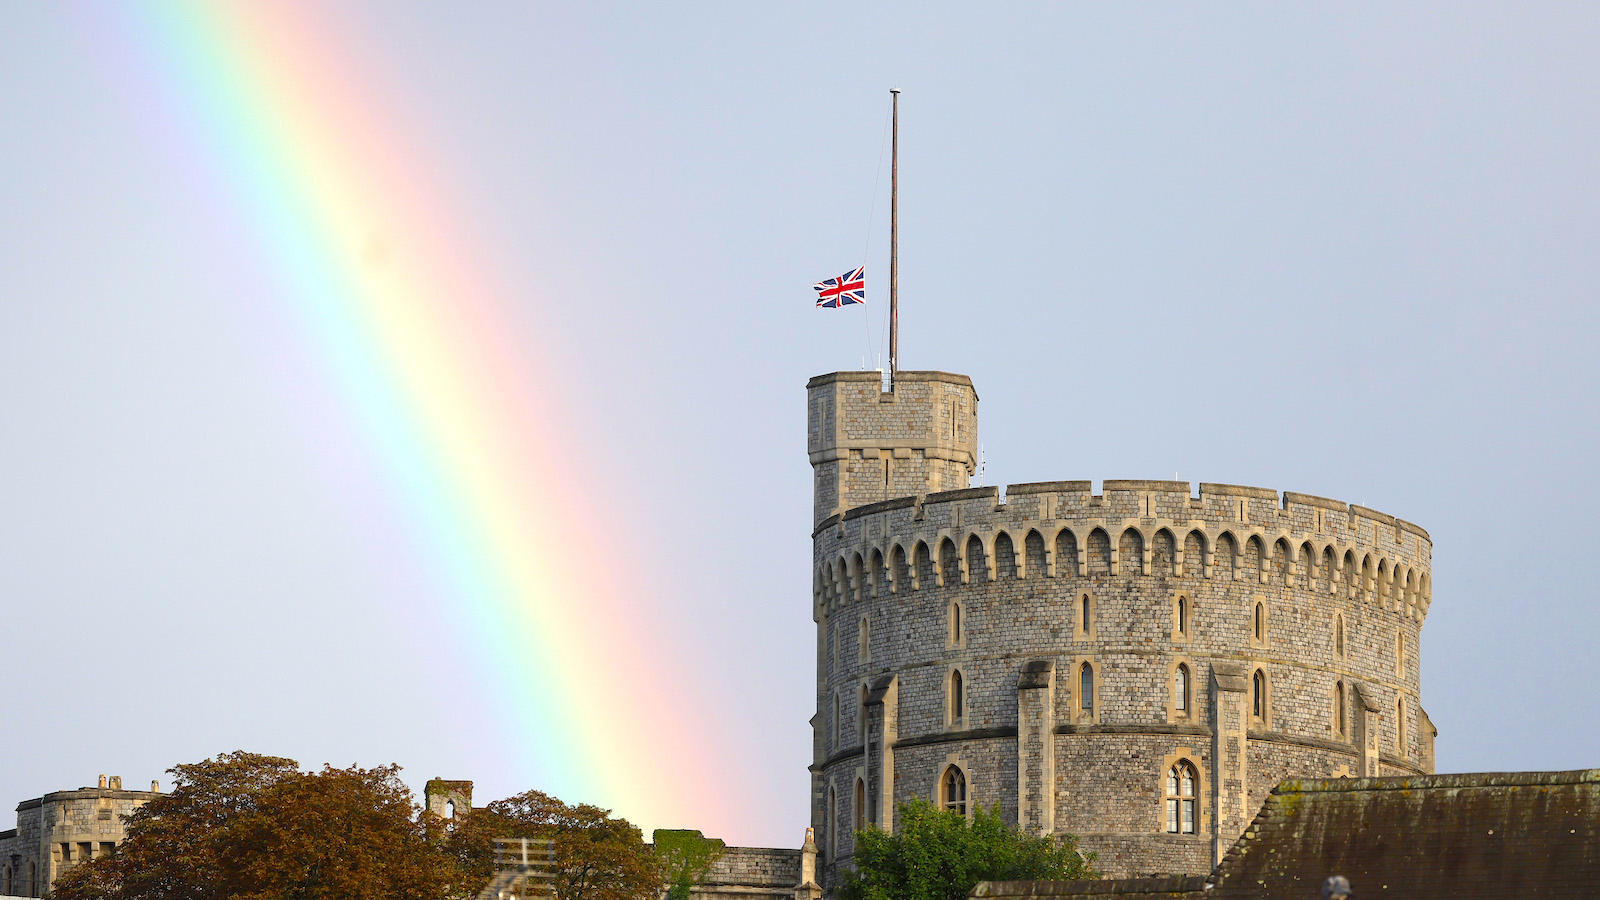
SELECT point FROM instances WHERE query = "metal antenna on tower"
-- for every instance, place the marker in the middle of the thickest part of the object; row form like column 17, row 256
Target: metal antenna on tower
column 894, row 241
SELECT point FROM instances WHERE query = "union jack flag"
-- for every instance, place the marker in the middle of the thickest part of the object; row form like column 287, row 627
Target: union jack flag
column 849, row 288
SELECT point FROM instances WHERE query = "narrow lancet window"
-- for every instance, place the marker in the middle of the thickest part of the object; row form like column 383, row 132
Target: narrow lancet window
column 1338, row 709
column 860, row 811
column 953, row 790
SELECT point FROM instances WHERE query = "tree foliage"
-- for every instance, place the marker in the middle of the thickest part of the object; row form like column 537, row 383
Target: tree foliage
column 937, row 855
column 598, row 856
column 687, row 857
column 244, row 826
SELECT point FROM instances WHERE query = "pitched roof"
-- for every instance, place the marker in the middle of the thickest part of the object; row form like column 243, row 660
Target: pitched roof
column 1474, row 837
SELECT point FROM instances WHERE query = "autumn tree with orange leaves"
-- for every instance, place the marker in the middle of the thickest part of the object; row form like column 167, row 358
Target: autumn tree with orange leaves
column 244, row 826
column 598, row 856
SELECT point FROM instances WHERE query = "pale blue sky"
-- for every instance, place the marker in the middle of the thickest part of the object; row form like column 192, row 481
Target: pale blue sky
column 1343, row 249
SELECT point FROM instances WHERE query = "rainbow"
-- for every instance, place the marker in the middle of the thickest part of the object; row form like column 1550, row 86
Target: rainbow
column 419, row 349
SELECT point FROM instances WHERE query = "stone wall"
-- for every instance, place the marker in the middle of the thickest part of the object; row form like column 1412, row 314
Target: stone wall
column 916, row 595
column 60, row 830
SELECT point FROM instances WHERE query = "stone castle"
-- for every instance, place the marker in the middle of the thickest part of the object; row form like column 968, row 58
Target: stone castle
column 59, row 830
column 1137, row 667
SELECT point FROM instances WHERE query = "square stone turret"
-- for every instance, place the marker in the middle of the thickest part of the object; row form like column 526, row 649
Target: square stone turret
column 868, row 444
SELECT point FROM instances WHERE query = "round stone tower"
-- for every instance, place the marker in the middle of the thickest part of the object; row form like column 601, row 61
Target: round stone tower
column 1136, row 667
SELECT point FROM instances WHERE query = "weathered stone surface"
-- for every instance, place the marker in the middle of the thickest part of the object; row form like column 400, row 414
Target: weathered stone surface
column 974, row 586
column 59, row 830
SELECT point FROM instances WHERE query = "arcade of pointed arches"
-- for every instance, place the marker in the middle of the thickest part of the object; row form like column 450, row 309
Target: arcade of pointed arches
column 1319, row 566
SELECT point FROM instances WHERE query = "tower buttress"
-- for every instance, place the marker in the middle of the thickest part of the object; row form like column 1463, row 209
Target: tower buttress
column 867, row 444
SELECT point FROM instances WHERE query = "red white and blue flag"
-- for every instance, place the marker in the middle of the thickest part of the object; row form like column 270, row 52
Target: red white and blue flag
column 847, row 289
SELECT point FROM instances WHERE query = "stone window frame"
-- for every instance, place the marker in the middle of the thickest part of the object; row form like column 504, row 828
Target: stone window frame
column 1202, row 810
column 1260, row 631
column 859, row 814
column 1340, row 712
column 1175, row 715
column 956, row 625
column 1084, row 600
column 1341, row 635
column 953, row 722
column 1400, row 652
column 1182, row 616
column 864, row 641
column 1074, row 690
column 1265, row 715
column 1402, row 747
column 958, row 762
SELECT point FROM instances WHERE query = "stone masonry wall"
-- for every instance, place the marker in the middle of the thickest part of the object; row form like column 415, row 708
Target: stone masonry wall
column 60, row 830
column 963, row 583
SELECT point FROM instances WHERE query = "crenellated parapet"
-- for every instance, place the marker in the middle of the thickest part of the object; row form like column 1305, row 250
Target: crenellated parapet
column 1229, row 532
column 1136, row 666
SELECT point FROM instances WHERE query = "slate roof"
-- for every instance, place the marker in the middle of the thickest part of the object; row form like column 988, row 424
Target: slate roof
column 1476, row 837
column 1473, row 837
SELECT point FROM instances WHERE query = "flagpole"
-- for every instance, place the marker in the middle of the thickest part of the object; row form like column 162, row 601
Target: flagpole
column 894, row 242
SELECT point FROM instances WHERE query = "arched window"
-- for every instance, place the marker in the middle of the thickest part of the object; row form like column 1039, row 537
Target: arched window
column 861, row 640
column 1400, row 727
column 1338, row 709
column 1183, row 615
column 1180, row 690
column 450, row 809
column 1086, row 688
column 1400, row 653
column 1260, row 622
column 1338, row 635
column 957, row 697
column 860, row 811
column 955, row 623
column 1083, row 603
column 953, row 790
column 1181, row 798
column 1258, row 694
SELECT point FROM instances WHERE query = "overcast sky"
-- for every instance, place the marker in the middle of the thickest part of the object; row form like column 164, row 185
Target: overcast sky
column 1343, row 249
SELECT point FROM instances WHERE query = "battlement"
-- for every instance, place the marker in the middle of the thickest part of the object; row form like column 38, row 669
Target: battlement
column 867, row 444
column 1167, row 500
column 1132, row 527
column 1136, row 664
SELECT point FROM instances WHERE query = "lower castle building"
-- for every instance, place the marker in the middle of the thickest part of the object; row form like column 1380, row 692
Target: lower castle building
column 1137, row 667
column 61, row 829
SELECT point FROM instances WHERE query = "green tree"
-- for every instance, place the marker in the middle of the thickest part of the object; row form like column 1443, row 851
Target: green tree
column 244, row 826
column 598, row 856
column 687, row 857
column 937, row 855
